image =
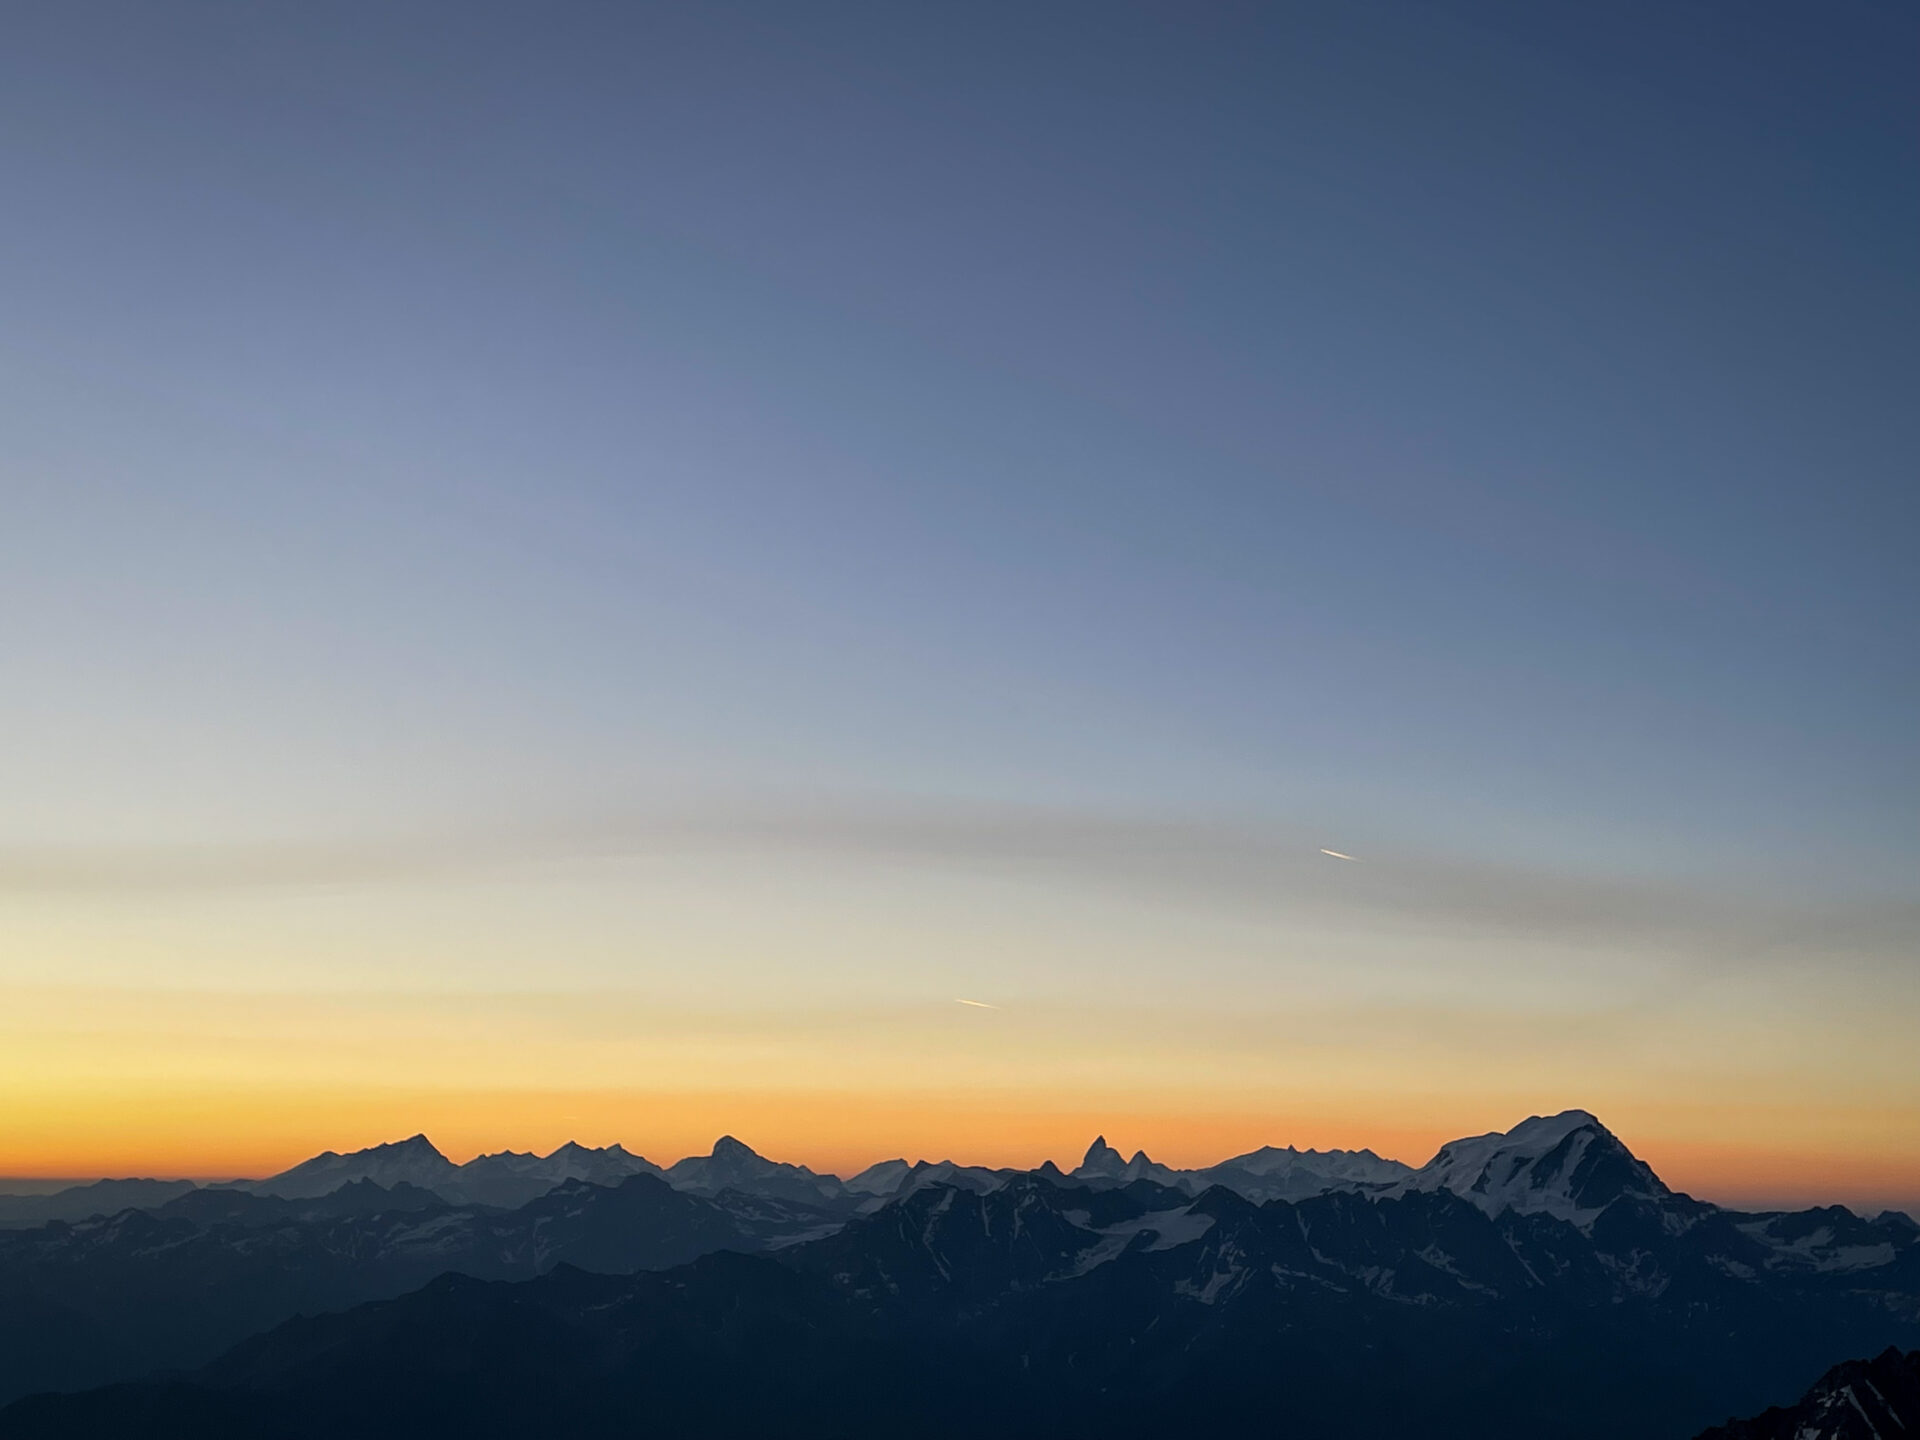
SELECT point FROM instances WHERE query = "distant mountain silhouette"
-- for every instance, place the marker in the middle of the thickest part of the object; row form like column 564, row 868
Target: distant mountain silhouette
column 1567, row 1163
column 413, row 1162
column 505, row 1179
column 734, row 1166
column 1542, row 1282
column 172, row 1287
column 508, row 1179
column 895, row 1179
column 78, row 1202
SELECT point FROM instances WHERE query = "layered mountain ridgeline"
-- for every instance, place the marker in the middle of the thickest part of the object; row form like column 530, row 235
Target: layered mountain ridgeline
column 1860, row 1400
column 132, row 1276
column 509, row 1179
column 123, row 1295
column 512, row 1178
column 78, row 1202
column 1538, row 1283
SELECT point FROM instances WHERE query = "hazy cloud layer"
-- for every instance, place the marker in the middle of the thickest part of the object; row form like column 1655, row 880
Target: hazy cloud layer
column 1248, row 867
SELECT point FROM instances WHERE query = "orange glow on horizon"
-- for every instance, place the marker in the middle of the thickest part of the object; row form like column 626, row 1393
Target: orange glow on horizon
column 207, row 1136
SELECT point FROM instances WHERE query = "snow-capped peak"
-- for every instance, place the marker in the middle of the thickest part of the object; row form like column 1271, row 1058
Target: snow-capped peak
column 1270, row 1173
column 892, row 1180
column 513, row 1177
column 1568, row 1165
column 880, row 1179
column 413, row 1161
column 735, row 1166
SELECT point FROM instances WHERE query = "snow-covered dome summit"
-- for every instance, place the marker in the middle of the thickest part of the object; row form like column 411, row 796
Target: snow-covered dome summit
column 1568, row 1165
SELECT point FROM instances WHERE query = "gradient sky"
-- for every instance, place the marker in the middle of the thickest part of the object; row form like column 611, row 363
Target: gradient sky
column 588, row 570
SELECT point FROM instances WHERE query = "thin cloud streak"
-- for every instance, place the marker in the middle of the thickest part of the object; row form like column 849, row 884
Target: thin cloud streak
column 1252, row 868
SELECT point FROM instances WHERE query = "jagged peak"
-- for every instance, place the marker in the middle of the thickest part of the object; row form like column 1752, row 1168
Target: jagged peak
column 1099, row 1150
column 411, row 1146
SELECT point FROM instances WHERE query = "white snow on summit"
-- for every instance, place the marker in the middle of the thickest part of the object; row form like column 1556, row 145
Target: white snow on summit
column 411, row 1162
column 1569, row 1166
column 1274, row 1174
column 507, row 1179
column 735, row 1166
column 1265, row 1174
column 512, row 1178
column 895, row 1180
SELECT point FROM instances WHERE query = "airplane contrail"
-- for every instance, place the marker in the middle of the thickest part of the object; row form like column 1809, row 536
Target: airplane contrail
column 977, row 1004
column 1339, row 856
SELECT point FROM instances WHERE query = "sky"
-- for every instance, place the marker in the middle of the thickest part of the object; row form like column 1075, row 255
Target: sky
column 589, row 571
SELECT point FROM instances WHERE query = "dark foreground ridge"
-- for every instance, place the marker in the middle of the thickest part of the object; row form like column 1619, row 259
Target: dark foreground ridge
column 1860, row 1400
column 1539, row 1283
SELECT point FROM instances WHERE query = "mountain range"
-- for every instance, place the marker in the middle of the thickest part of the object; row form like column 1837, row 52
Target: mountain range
column 506, row 1179
column 511, row 1178
column 1541, row 1281
column 173, row 1286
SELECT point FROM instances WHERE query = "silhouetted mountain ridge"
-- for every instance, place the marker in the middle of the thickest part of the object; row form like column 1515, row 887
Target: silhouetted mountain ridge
column 79, row 1202
column 1540, row 1281
column 174, row 1286
column 1568, row 1164
column 1873, row 1399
